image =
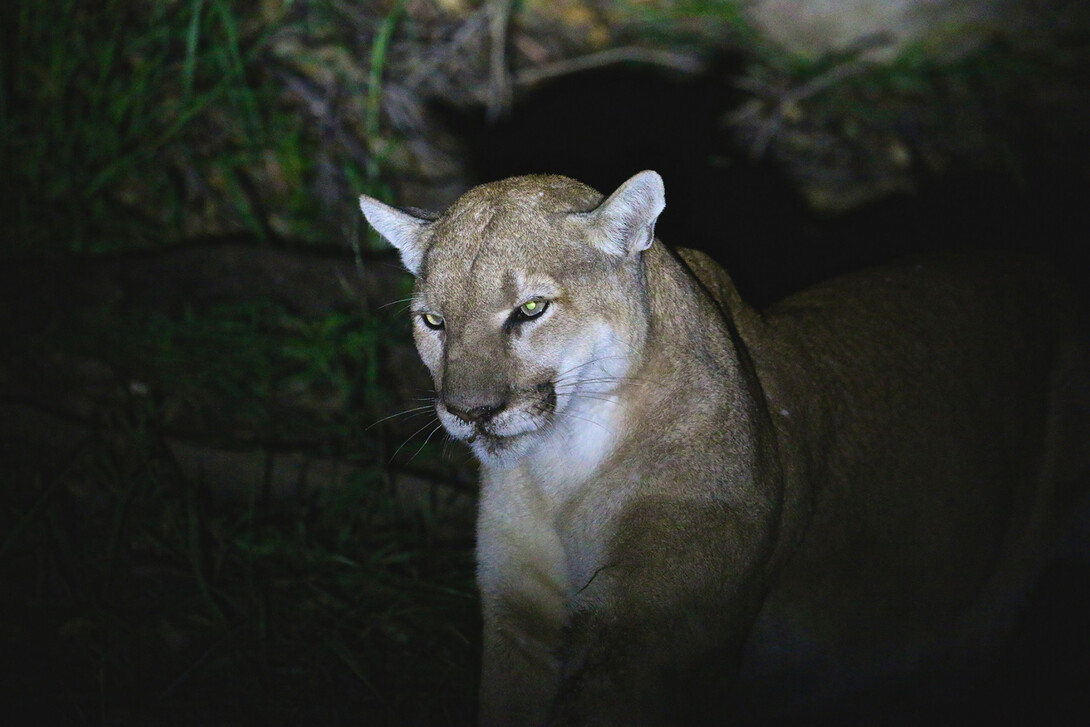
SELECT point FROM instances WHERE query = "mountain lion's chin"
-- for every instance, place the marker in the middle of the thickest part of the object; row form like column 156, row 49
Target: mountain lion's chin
column 496, row 450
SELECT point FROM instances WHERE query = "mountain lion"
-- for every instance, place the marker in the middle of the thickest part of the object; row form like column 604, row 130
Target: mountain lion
column 690, row 509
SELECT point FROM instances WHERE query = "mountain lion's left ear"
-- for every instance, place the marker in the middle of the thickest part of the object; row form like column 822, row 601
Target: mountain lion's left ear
column 401, row 229
column 625, row 222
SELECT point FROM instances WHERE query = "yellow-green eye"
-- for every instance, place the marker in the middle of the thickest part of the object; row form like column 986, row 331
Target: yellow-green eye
column 532, row 308
column 432, row 321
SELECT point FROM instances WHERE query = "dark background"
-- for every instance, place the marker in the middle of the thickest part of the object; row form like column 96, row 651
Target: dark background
column 602, row 127
column 217, row 502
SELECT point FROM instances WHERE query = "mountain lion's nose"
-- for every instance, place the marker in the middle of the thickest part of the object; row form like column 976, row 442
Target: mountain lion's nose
column 476, row 415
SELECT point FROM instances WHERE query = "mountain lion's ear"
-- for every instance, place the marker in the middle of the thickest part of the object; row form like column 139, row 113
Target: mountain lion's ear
column 626, row 221
column 401, row 229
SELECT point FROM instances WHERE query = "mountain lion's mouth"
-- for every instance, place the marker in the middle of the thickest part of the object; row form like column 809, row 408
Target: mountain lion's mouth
column 530, row 412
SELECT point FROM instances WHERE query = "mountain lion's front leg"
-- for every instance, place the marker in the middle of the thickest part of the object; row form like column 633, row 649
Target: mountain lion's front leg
column 656, row 637
column 519, row 670
column 524, row 597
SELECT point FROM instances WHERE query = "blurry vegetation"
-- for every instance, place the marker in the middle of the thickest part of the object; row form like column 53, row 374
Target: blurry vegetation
column 133, row 591
column 136, row 593
column 127, row 124
column 132, row 597
column 130, row 125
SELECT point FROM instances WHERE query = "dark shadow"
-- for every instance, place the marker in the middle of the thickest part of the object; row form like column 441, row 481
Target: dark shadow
column 603, row 126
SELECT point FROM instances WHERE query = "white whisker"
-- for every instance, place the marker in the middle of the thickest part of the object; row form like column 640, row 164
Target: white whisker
column 572, row 385
column 426, row 440
column 592, row 396
column 564, row 373
column 410, row 438
column 588, row 420
column 408, row 413
column 395, row 302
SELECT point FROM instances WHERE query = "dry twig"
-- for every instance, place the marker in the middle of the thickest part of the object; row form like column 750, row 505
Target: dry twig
column 784, row 101
column 683, row 62
column 499, row 80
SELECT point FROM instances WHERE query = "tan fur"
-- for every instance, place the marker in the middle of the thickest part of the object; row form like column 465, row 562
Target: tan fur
column 680, row 496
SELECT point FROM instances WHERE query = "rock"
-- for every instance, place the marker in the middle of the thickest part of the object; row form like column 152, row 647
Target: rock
column 813, row 29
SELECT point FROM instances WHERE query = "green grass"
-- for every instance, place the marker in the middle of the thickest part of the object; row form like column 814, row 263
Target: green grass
column 128, row 124
column 147, row 602
column 90, row 111
column 135, row 594
column 261, row 358
column 132, row 592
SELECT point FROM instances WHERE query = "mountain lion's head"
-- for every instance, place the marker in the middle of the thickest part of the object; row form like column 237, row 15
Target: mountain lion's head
column 529, row 307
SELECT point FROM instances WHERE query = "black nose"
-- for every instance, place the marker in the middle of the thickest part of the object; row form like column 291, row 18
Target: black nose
column 476, row 415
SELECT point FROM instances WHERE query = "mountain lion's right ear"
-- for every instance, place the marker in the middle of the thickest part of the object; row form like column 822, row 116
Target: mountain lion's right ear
column 401, row 229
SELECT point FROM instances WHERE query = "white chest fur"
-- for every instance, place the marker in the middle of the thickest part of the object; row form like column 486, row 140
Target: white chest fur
column 574, row 449
column 521, row 550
